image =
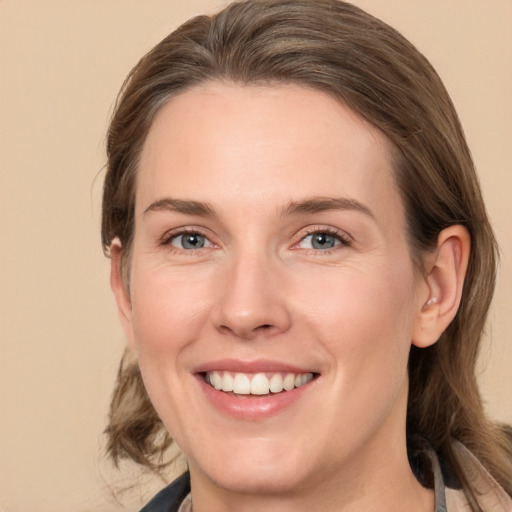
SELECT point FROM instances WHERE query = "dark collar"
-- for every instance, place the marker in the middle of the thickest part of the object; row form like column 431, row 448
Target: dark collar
column 170, row 498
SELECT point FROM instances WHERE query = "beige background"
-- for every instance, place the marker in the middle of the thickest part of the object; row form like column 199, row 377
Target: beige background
column 61, row 64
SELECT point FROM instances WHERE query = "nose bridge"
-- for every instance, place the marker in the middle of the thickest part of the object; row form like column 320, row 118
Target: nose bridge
column 251, row 302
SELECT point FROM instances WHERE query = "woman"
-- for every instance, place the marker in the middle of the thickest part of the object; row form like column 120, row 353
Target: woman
column 303, row 264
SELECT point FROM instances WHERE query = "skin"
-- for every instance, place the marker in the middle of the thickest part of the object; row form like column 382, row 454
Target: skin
column 259, row 288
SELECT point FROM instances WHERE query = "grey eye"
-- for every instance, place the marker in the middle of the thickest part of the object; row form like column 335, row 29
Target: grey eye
column 323, row 241
column 319, row 241
column 190, row 241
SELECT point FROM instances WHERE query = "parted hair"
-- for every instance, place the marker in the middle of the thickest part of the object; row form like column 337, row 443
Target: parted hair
column 337, row 48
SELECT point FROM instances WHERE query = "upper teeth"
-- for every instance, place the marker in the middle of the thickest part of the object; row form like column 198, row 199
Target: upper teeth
column 257, row 383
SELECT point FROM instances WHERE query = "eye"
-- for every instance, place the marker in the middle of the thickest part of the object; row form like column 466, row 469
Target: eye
column 190, row 241
column 322, row 240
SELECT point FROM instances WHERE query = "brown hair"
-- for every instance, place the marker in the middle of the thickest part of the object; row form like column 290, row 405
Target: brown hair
column 337, row 48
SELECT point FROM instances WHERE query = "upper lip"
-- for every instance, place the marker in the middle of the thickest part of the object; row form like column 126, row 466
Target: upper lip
column 254, row 366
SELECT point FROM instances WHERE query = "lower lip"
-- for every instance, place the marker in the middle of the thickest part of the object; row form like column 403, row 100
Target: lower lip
column 252, row 407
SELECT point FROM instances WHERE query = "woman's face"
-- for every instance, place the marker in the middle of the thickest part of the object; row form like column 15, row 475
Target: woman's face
column 270, row 252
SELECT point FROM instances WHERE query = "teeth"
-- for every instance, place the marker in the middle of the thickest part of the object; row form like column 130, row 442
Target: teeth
column 217, row 381
column 227, row 382
column 258, row 383
column 289, row 382
column 276, row 383
column 241, row 384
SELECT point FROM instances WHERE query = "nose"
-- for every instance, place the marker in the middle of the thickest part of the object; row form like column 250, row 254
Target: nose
column 252, row 300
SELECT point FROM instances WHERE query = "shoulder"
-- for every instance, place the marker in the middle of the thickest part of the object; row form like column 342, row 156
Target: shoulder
column 170, row 498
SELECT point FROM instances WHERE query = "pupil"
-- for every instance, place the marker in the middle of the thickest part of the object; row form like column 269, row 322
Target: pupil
column 193, row 241
column 323, row 241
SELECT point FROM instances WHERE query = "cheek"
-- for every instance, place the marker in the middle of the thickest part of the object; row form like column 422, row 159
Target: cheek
column 168, row 314
column 385, row 292
column 364, row 317
column 168, row 308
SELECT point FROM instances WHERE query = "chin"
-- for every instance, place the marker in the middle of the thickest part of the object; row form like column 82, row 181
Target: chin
column 258, row 480
column 262, row 470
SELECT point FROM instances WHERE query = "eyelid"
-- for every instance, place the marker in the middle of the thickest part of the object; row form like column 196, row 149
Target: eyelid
column 183, row 237
column 170, row 235
column 344, row 238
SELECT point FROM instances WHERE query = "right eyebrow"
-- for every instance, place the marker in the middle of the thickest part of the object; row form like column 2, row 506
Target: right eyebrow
column 181, row 206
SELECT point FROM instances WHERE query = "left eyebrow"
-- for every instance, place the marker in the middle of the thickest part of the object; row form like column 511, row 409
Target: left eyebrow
column 323, row 204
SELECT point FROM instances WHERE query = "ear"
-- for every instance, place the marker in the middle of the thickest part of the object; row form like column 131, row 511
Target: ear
column 441, row 290
column 120, row 289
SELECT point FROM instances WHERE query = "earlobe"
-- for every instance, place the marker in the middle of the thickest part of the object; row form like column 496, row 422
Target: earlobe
column 120, row 290
column 441, row 294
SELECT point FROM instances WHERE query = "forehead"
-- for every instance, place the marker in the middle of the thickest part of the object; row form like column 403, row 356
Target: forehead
column 262, row 143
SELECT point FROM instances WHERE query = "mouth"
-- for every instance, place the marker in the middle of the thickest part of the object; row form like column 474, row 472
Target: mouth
column 255, row 390
column 258, row 384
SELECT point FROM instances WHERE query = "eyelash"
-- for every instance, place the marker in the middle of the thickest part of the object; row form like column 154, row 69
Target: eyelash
column 344, row 240
column 168, row 238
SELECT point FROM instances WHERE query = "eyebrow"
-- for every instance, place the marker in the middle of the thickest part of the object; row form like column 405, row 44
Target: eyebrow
column 323, row 204
column 181, row 206
column 310, row 205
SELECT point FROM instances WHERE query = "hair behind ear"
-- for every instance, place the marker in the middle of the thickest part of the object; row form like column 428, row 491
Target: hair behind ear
column 134, row 429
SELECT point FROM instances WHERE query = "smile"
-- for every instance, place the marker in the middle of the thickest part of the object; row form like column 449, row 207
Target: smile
column 256, row 383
